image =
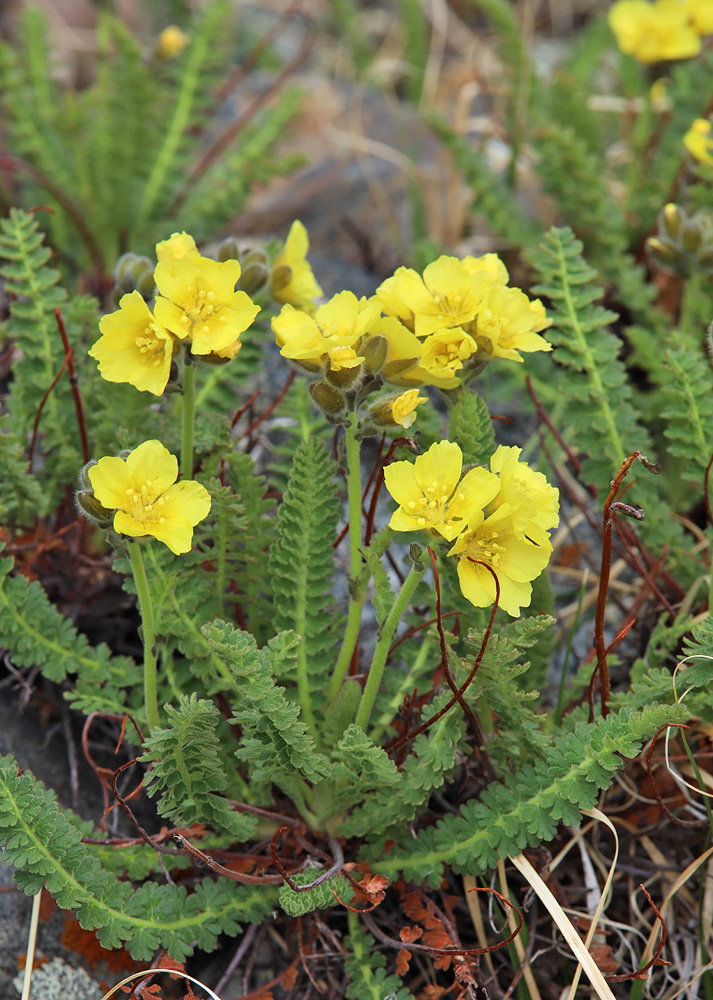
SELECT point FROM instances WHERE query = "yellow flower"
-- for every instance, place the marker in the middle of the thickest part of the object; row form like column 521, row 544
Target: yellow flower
column 534, row 503
column 291, row 277
column 197, row 300
column 701, row 14
column 698, row 141
column 340, row 323
column 179, row 245
column 148, row 501
column 170, row 43
column 431, row 494
column 403, row 407
column 443, row 355
column 134, row 348
column 391, row 302
column 507, row 324
column 403, row 349
column 445, row 297
column 496, row 541
column 654, row 31
column 491, row 264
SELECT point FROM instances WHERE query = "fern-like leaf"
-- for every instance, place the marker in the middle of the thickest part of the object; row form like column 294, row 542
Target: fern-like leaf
column 34, row 633
column 472, row 429
column 528, row 806
column 301, row 565
column 188, row 770
column 274, row 738
column 45, row 846
column 598, row 406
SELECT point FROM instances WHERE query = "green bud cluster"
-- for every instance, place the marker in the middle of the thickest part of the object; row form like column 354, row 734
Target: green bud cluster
column 134, row 273
column 254, row 264
column 684, row 244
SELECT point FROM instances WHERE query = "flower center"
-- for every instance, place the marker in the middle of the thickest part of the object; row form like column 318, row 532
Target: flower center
column 201, row 311
column 432, row 507
column 488, row 550
column 143, row 505
column 150, row 347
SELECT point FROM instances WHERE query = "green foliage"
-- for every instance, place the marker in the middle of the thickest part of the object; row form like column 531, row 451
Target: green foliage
column 520, row 738
column 296, row 904
column 188, row 770
column 46, row 848
column 472, row 427
column 124, row 156
column 432, row 760
column 301, row 562
column 274, row 741
column 36, row 634
column 597, row 400
column 360, row 767
column 687, row 408
column 492, row 199
column 32, row 287
column 528, row 806
column 364, row 966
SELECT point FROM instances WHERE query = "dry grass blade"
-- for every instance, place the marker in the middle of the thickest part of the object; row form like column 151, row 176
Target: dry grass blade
column 565, row 925
column 153, row 972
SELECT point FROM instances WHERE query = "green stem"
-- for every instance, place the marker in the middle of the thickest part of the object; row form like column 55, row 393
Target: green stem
column 357, row 582
column 149, row 630
column 189, row 409
column 384, row 644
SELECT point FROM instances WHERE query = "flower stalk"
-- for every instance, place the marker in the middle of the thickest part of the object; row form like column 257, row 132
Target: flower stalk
column 357, row 583
column 383, row 644
column 149, row 633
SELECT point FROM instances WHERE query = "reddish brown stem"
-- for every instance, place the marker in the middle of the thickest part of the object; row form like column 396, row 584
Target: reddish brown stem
column 40, row 408
column 276, row 402
column 69, row 357
column 475, row 727
column 464, row 687
column 655, row 958
column 206, row 860
column 336, row 854
column 607, row 519
column 73, row 211
column 404, row 442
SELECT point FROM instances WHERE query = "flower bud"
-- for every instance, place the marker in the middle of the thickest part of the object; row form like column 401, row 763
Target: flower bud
column 374, row 354
column 228, row 249
column 253, row 277
column 343, row 378
column 170, row 43
column 671, row 220
column 415, row 553
column 692, row 236
column 89, row 506
column 327, row 398
column 134, row 273
column 662, row 251
column 280, row 278
column 704, row 260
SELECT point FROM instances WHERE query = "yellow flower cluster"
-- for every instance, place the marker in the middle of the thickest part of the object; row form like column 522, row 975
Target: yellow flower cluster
column 430, row 329
column 196, row 303
column 662, row 29
column 142, row 491
column 500, row 518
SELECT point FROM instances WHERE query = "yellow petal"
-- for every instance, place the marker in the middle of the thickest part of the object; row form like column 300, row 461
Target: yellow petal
column 110, row 480
column 439, row 468
column 152, row 463
column 400, row 481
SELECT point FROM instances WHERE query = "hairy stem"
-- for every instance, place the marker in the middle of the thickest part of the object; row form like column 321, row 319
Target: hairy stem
column 149, row 633
column 384, row 643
